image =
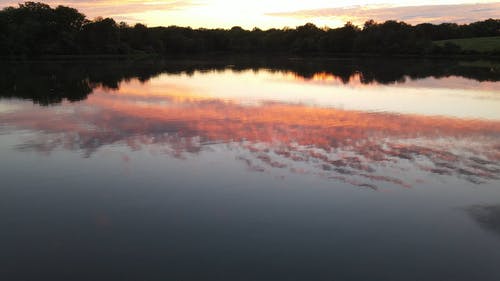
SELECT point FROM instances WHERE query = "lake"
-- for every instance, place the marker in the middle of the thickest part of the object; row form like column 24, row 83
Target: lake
column 250, row 169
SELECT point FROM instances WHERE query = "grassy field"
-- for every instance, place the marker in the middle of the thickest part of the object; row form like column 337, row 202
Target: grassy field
column 479, row 44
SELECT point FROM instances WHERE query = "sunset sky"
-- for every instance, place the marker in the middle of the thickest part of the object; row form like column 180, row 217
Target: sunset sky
column 280, row 13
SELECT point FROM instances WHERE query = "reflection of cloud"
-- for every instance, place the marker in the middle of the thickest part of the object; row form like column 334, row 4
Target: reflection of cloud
column 487, row 216
column 459, row 13
column 359, row 80
column 359, row 148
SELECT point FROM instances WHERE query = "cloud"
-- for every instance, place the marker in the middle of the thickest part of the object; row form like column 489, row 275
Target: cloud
column 107, row 8
column 459, row 13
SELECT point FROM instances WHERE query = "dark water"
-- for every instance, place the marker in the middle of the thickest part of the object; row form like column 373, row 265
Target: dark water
column 250, row 169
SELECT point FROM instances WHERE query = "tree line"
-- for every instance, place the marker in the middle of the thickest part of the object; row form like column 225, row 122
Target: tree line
column 36, row 29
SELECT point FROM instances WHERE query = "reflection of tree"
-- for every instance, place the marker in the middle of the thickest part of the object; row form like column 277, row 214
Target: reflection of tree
column 44, row 85
column 48, row 83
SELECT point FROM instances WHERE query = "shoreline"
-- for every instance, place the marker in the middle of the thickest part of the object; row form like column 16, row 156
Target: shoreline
column 218, row 55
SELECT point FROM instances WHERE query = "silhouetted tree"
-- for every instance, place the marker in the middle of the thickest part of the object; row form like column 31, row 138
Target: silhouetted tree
column 35, row 29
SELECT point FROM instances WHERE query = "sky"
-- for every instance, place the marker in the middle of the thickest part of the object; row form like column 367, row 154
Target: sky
column 266, row 14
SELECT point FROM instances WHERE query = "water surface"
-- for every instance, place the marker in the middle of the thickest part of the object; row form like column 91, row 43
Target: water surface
column 250, row 169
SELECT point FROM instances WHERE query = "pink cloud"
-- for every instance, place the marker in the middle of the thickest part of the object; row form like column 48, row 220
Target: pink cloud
column 116, row 9
column 459, row 13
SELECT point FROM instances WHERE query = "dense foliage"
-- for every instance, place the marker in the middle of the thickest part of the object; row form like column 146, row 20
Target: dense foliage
column 34, row 29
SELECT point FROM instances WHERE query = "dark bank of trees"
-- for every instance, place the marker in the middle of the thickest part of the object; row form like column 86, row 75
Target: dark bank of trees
column 36, row 29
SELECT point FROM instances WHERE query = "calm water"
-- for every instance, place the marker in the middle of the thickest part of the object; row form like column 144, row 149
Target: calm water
column 250, row 169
